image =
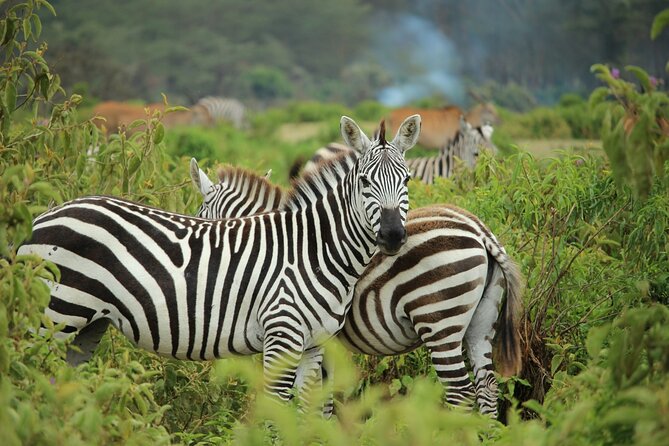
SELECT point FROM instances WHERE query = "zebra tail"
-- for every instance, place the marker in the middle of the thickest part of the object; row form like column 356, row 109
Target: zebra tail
column 295, row 168
column 508, row 351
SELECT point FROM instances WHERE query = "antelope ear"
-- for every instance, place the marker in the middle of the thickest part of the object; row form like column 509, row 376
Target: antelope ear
column 408, row 133
column 486, row 131
column 200, row 179
column 353, row 136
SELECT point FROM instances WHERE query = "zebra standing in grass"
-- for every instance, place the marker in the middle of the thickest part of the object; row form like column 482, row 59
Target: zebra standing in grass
column 225, row 109
column 445, row 286
column 279, row 283
column 465, row 146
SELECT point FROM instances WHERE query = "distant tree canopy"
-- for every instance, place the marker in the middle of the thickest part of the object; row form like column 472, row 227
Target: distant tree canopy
column 263, row 51
column 139, row 48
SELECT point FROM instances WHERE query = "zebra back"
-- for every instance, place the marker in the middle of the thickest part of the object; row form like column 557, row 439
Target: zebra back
column 225, row 109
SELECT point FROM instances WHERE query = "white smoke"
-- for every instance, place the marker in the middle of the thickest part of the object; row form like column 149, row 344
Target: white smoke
column 418, row 57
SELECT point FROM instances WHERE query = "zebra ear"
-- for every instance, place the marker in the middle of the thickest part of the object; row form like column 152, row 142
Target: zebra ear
column 408, row 133
column 200, row 179
column 353, row 136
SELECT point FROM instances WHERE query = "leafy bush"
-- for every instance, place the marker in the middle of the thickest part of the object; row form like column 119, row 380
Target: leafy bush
column 622, row 394
column 635, row 129
column 265, row 84
column 584, row 121
column 511, row 95
column 370, row 111
column 540, row 122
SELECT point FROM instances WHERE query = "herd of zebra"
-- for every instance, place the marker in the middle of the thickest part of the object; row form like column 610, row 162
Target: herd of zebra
column 261, row 270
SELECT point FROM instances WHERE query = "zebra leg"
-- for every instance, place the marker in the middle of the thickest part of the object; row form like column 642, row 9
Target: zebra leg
column 479, row 337
column 308, row 376
column 320, row 372
column 327, row 374
column 86, row 340
column 452, row 372
column 282, row 354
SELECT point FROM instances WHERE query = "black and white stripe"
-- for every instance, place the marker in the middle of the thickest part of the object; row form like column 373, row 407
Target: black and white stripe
column 225, row 110
column 466, row 146
column 278, row 283
column 445, row 286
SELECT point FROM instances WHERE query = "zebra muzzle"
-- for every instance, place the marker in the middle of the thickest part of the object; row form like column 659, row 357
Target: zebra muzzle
column 392, row 233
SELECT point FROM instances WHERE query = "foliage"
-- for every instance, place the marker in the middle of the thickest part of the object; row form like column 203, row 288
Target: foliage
column 370, row 111
column 584, row 120
column 635, row 130
column 622, row 396
column 265, row 84
column 541, row 122
column 229, row 48
column 511, row 95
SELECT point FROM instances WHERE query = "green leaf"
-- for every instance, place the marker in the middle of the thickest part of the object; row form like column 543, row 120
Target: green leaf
column 44, row 84
column 54, row 86
column 9, row 32
column 136, row 123
column 48, row 6
column 133, row 165
column 27, row 29
column 641, row 75
column 595, row 340
column 37, row 25
column 659, row 23
column 175, row 109
column 10, row 97
column 159, row 133
column 556, row 362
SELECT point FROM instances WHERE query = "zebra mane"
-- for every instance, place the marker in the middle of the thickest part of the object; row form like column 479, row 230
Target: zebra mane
column 313, row 186
column 238, row 178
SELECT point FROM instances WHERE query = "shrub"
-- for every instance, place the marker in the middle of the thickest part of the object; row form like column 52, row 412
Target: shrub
column 541, row 122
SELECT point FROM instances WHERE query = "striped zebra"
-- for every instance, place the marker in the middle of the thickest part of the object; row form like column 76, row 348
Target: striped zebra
column 465, row 146
column 279, row 283
column 445, row 286
column 225, row 109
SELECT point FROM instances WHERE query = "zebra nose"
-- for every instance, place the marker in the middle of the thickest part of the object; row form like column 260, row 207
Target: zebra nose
column 392, row 234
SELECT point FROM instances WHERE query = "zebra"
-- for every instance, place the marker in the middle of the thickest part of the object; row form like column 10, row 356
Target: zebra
column 465, row 146
column 279, row 283
column 446, row 285
column 225, row 109
column 245, row 192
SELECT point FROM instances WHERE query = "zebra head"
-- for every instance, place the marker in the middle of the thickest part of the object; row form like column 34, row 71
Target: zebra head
column 203, row 184
column 381, row 177
column 238, row 192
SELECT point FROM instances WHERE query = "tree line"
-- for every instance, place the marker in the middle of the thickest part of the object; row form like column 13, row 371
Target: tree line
column 265, row 51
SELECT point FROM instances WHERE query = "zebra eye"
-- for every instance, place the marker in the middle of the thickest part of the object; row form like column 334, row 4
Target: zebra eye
column 365, row 181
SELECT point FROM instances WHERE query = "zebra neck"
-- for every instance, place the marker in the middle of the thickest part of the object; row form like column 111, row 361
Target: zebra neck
column 347, row 232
